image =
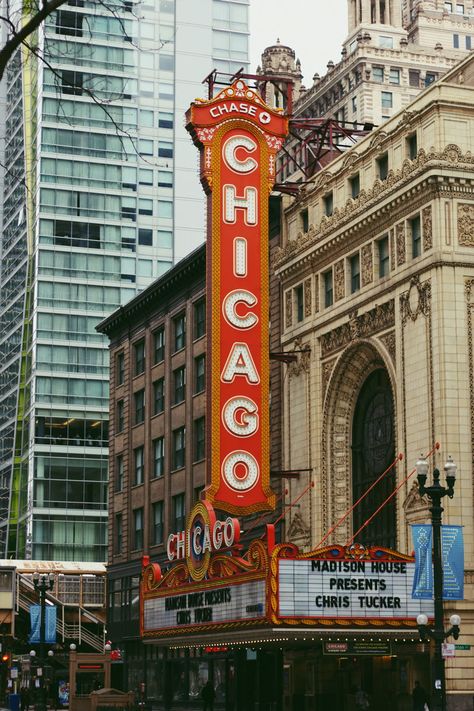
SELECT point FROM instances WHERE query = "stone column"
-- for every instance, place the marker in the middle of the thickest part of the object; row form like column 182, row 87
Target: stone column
column 395, row 13
column 351, row 15
column 365, row 5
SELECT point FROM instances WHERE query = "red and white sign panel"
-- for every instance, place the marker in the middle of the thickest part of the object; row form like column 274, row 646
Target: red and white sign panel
column 238, row 136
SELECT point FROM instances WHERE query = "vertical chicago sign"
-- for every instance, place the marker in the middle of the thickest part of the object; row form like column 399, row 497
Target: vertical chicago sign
column 238, row 136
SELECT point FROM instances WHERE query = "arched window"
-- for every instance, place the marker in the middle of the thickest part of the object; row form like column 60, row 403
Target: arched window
column 373, row 450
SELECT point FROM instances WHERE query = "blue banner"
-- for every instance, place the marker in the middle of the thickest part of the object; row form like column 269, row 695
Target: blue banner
column 49, row 626
column 423, row 578
column 35, row 621
column 452, row 547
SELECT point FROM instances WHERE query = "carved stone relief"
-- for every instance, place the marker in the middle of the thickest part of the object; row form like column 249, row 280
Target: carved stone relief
column 390, row 342
column 302, row 364
column 378, row 319
column 466, row 224
column 367, row 264
column 392, row 249
column 427, row 228
column 298, row 528
column 401, row 245
column 288, row 308
column 316, row 293
column 327, row 369
column 416, row 301
column 308, row 310
column 339, row 289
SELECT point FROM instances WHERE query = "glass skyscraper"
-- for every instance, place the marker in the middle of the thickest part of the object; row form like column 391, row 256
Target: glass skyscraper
column 101, row 195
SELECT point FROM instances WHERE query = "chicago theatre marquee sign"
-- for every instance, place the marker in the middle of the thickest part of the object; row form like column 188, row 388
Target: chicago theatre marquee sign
column 211, row 585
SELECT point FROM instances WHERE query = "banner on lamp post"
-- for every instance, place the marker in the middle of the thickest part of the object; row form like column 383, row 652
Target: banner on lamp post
column 452, row 551
column 50, row 617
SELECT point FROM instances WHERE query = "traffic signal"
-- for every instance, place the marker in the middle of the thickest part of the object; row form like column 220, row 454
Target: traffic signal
column 6, row 657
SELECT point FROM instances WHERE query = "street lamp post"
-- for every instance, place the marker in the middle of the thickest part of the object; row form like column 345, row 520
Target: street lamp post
column 43, row 583
column 435, row 493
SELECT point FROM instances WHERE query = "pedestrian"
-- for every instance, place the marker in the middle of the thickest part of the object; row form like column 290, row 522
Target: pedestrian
column 362, row 700
column 24, row 698
column 208, row 695
column 419, row 696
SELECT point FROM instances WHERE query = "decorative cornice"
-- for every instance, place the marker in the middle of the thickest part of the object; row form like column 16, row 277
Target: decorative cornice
column 356, row 207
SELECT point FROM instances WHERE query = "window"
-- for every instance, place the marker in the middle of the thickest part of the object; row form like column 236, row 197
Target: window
column 165, row 149
column 145, row 206
column 139, row 357
column 199, row 318
column 119, row 473
column 354, row 104
column 118, row 533
column 354, row 185
column 377, row 74
column 328, row 291
column 179, row 513
column 199, row 439
column 430, row 77
column 158, row 396
column 456, row 41
column 165, row 120
column 414, row 78
column 120, row 369
column 468, row 42
column 145, row 176
column 412, row 146
column 159, row 345
column 165, row 179
column 179, row 448
column 166, row 62
column 448, row 6
column 299, row 302
column 158, row 457
column 459, row 9
column 145, row 237
column 386, row 42
column 120, row 418
column 382, row 166
column 394, row 76
column 415, row 231
column 384, row 256
column 355, row 273
column 328, row 204
column 179, row 385
column 304, row 220
column 157, row 523
column 199, row 373
column 387, row 100
column 139, row 466
column 69, row 23
column 137, row 529
column 139, row 407
column 179, row 325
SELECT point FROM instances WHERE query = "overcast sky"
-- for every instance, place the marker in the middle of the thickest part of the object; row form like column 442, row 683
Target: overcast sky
column 313, row 31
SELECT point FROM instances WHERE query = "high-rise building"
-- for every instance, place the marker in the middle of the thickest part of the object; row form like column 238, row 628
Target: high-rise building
column 100, row 198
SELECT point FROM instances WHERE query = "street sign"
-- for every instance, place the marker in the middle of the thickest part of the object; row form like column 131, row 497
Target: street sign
column 448, row 649
column 462, row 646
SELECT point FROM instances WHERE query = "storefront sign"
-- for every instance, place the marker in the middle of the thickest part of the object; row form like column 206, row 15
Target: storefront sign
column 357, row 647
column 348, row 589
column 239, row 137
column 206, row 606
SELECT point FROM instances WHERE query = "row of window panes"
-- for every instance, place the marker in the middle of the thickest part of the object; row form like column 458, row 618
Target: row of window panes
column 87, row 54
column 157, row 524
column 230, row 16
column 92, row 266
column 68, row 233
column 354, row 186
column 81, row 296
column 467, row 41
column 97, row 86
column 230, row 45
column 459, row 8
column 85, row 113
column 378, row 75
column 69, row 327
column 75, row 24
column 158, row 455
column 95, row 175
column 383, row 261
column 99, row 145
column 111, row 207
column 72, row 359
column 93, row 393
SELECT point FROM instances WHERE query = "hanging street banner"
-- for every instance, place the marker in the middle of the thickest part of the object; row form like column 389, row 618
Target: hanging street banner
column 423, row 578
column 238, row 136
column 49, row 627
column 452, row 551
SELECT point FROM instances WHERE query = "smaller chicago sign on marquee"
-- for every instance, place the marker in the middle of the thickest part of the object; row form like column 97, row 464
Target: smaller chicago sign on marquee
column 238, row 136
